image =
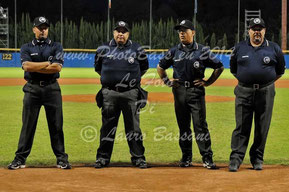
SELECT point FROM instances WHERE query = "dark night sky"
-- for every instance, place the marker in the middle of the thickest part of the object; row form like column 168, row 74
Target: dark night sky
column 220, row 15
column 135, row 10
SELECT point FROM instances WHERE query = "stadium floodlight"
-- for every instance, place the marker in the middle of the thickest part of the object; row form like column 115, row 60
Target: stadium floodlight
column 1, row 11
column 2, row 14
column 4, row 27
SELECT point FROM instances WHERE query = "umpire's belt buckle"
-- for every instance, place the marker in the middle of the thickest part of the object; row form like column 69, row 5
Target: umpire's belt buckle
column 256, row 86
column 41, row 83
column 187, row 84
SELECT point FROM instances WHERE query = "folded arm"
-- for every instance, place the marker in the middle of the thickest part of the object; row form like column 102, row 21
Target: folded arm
column 42, row 67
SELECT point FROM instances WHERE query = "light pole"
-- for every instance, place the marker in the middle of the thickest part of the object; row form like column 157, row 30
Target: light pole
column 238, row 38
column 108, row 19
column 61, row 20
column 284, row 24
column 195, row 16
column 15, row 29
column 151, row 21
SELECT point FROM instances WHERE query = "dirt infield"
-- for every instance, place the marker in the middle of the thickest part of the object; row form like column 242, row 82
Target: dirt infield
column 152, row 97
column 161, row 178
column 283, row 83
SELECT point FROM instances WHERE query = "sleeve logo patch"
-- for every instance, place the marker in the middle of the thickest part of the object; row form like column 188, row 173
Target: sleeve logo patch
column 131, row 60
column 197, row 64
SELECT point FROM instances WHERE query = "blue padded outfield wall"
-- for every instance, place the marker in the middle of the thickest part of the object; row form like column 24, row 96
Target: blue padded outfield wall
column 82, row 59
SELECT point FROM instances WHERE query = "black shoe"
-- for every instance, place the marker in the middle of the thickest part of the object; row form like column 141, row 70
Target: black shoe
column 208, row 163
column 16, row 164
column 99, row 163
column 233, row 166
column 185, row 162
column 143, row 165
column 140, row 163
column 63, row 165
column 257, row 166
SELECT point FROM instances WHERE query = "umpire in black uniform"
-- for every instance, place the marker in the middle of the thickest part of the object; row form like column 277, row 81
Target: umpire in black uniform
column 189, row 60
column 42, row 61
column 257, row 63
column 120, row 63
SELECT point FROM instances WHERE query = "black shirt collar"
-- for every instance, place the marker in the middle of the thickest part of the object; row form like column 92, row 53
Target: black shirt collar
column 41, row 42
column 114, row 44
column 264, row 44
column 191, row 47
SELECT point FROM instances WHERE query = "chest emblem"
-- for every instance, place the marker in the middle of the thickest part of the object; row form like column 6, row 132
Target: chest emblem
column 266, row 60
column 197, row 64
column 131, row 60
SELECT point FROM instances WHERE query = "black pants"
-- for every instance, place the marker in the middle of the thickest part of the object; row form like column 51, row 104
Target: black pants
column 113, row 104
column 190, row 103
column 251, row 102
column 50, row 97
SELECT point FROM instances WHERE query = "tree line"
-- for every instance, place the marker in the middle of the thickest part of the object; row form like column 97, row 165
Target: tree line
column 87, row 35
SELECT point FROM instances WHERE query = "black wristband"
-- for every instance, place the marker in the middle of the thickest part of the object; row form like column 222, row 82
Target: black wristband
column 166, row 79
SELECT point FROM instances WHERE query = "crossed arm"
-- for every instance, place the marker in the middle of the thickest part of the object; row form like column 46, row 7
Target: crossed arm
column 42, row 67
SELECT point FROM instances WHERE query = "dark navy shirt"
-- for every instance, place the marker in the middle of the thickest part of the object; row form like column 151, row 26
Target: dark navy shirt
column 40, row 51
column 258, row 65
column 120, row 66
column 189, row 63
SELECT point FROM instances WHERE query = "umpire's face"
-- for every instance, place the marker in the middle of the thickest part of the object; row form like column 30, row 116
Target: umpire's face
column 257, row 34
column 120, row 35
column 41, row 31
column 186, row 35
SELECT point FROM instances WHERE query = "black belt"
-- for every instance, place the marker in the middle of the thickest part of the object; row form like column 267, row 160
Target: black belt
column 255, row 86
column 42, row 83
column 119, row 89
column 186, row 83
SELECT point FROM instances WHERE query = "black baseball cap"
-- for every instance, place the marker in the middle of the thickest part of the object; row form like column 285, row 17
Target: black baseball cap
column 122, row 24
column 256, row 21
column 186, row 24
column 39, row 21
